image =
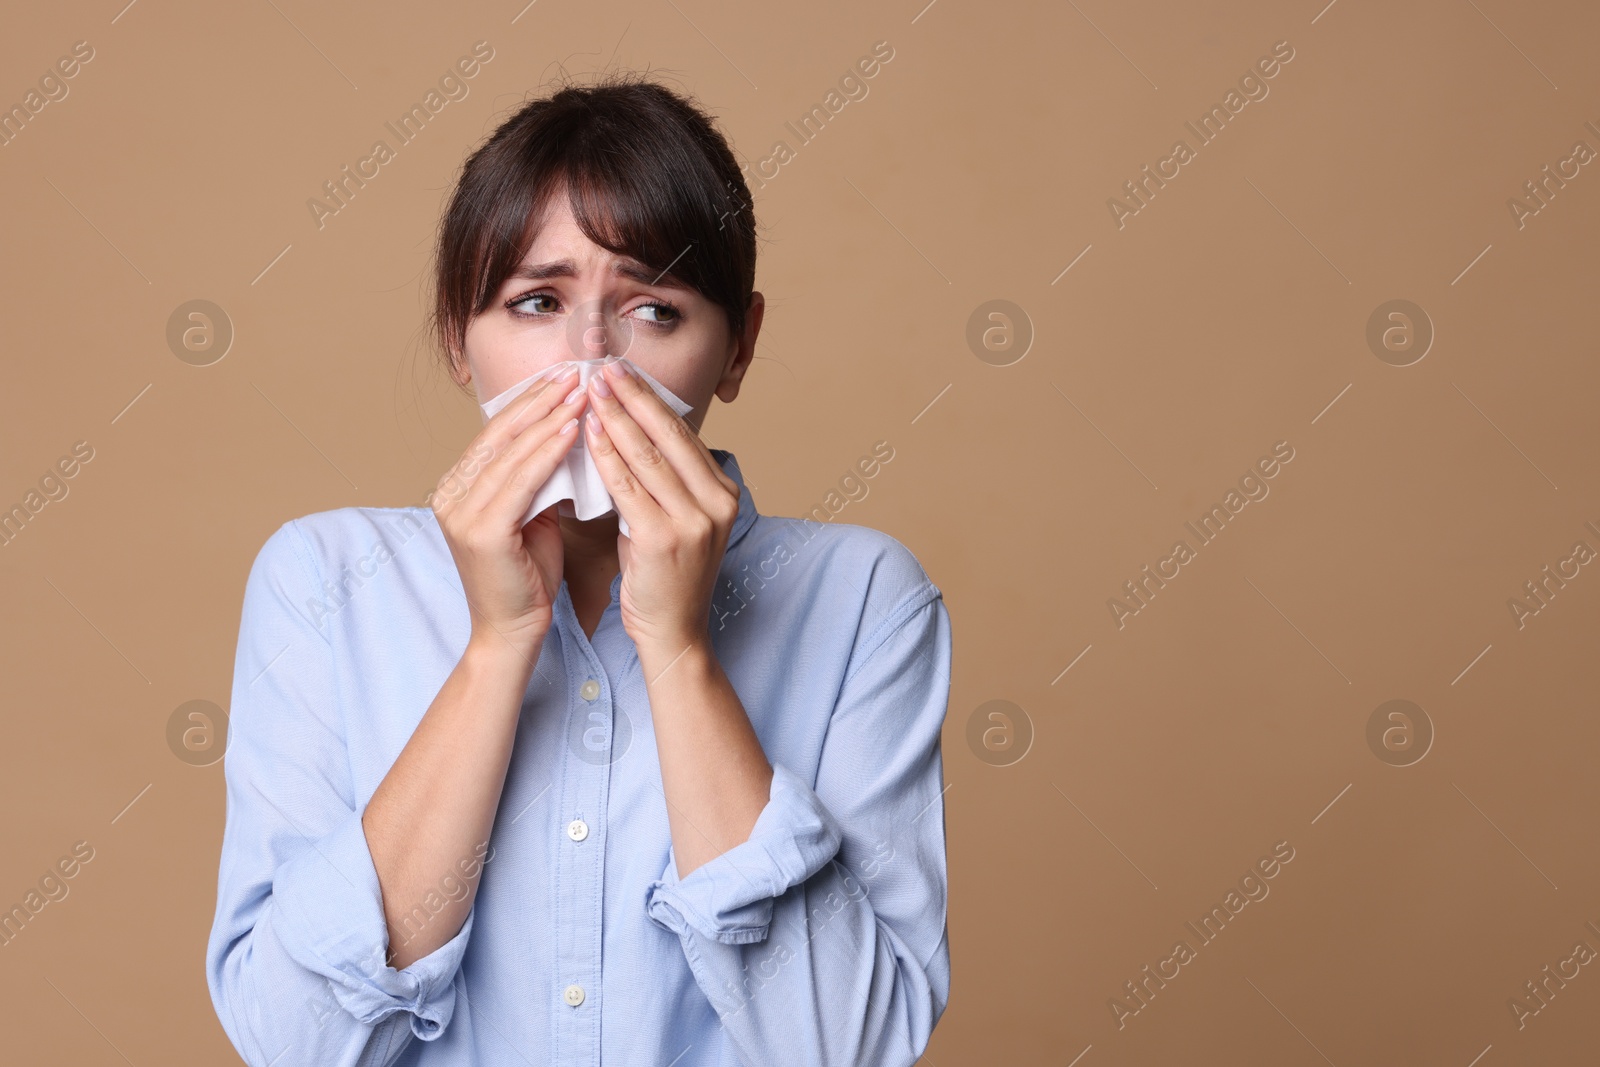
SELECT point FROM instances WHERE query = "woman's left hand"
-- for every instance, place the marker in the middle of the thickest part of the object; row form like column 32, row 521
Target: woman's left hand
column 679, row 505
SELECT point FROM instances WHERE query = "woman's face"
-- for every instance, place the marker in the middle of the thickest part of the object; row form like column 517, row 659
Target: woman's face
column 572, row 299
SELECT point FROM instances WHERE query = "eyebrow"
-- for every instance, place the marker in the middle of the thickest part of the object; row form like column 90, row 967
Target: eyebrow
column 626, row 268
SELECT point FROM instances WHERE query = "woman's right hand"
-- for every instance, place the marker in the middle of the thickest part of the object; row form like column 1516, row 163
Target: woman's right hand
column 511, row 573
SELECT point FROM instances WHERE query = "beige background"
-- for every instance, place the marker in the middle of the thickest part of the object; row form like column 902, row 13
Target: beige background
column 1230, row 714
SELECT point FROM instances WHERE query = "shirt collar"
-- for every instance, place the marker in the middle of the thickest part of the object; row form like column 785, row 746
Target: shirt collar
column 747, row 505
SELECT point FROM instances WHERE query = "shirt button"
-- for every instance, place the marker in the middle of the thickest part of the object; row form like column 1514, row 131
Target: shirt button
column 589, row 689
column 573, row 995
column 577, row 829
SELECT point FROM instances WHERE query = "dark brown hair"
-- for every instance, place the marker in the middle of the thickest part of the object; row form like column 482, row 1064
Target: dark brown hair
column 647, row 173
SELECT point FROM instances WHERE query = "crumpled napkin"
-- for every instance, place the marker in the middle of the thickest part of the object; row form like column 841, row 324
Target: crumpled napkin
column 576, row 483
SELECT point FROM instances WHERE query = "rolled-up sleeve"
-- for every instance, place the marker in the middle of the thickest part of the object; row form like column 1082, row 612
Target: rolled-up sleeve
column 729, row 898
column 332, row 923
column 821, row 938
column 295, row 962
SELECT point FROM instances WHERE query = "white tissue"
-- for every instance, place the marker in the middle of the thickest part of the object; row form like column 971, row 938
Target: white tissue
column 576, row 484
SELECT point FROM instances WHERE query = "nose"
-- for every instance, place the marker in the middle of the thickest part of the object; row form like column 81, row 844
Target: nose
column 595, row 331
column 594, row 337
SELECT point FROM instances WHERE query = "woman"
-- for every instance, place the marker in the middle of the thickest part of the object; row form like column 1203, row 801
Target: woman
column 545, row 794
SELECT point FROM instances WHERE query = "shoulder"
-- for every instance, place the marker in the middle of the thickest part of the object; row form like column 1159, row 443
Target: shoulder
column 324, row 543
column 857, row 572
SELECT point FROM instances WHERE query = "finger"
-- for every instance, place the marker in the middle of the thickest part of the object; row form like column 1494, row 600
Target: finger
column 527, row 408
column 529, row 468
column 490, row 442
column 552, row 408
column 633, row 501
column 651, row 463
column 534, row 454
column 504, row 423
column 455, row 487
column 664, row 425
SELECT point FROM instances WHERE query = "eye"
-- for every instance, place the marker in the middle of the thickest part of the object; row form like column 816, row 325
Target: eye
column 519, row 305
column 661, row 313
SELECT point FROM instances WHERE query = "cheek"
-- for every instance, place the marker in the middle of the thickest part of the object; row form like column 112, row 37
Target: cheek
column 687, row 362
column 678, row 375
column 499, row 356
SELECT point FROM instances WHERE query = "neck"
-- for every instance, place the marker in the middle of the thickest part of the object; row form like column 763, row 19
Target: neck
column 590, row 552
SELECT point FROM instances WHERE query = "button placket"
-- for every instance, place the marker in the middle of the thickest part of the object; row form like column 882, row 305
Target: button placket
column 584, row 781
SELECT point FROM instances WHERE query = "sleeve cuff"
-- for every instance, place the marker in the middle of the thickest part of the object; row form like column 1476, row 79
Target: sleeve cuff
column 334, row 925
column 729, row 899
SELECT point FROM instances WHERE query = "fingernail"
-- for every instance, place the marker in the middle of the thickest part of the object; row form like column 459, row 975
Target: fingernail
column 600, row 385
column 594, row 423
column 567, row 428
column 575, row 397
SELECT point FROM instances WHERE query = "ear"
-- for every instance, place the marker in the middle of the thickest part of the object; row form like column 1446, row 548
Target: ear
column 460, row 369
column 742, row 350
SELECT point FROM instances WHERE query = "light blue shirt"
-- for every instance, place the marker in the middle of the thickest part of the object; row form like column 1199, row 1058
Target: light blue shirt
column 819, row 941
